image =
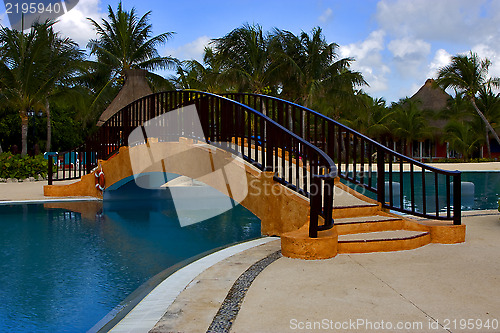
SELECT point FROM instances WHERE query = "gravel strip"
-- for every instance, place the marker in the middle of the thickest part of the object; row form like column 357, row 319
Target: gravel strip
column 229, row 309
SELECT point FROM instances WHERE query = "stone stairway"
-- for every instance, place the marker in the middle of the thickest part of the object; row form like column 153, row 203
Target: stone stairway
column 362, row 226
column 379, row 233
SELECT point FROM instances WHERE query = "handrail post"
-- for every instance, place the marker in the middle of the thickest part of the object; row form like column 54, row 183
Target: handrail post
column 315, row 203
column 381, row 175
column 49, row 171
column 269, row 144
column 457, row 199
column 329, row 193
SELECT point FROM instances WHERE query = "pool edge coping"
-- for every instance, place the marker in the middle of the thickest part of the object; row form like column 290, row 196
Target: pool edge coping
column 146, row 306
column 41, row 201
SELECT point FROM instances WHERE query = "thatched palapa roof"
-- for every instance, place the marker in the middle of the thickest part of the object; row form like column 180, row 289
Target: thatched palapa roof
column 431, row 97
column 134, row 88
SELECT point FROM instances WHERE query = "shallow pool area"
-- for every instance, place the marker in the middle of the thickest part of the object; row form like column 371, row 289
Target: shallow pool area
column 63, row 270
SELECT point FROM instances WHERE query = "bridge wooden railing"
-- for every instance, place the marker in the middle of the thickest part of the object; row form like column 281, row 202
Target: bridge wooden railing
column 297, row 163
column 397, row 181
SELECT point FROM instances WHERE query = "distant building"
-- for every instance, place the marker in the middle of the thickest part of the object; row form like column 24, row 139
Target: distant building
column 135, row 87
column 434, row 99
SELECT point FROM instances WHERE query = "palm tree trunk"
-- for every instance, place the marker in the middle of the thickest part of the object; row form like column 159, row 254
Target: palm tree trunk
column 24, row 133
column 264, row 111
column 1, row 150
column 488, row 146
column 49, row 126
column 486, row 122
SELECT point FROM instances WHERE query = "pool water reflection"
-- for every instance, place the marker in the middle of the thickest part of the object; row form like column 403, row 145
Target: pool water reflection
column 63, row 271
column 483, row 195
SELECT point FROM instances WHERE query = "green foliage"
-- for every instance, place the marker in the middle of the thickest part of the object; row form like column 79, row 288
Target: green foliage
column 462, row 138
column 468, row 75
column 15, row 166
column 125, row 42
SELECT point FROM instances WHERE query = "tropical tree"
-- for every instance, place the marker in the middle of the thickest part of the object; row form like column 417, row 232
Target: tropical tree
column 372, row 118
column 462, row 137
column 467, row 74
column 200, row 76
column 66, row 61
column 489, row 102
column 32, row 64
column 311, row 69
column 409, row 123
column 125, row 42
column 244, row 57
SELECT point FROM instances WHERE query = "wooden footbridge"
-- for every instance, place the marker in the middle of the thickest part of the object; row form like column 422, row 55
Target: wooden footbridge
column 333, row 190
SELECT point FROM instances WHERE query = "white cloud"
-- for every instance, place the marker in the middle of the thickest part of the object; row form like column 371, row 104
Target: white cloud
column 441, row 59
column 409, row 55
column 75, row 24
column 326, row 16
column 450, row 20
column 493, row 54
column 409, row 48
column 193, row 50
column 365, row 49
column 368, row 60
column 446, row 27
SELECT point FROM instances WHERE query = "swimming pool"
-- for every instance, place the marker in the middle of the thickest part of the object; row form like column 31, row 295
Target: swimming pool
column 483, row 195
column 63, row 271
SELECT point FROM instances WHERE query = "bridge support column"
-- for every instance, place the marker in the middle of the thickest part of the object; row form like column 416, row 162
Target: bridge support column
column 297, row 244
column 280, row 209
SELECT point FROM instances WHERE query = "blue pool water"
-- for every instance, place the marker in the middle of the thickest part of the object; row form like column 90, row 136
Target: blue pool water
column 63, row 271
column 484, row 197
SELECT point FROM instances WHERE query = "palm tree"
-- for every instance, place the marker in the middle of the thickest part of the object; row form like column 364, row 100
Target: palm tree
column 489, row 102
column 125, row 42
column 200, row 76
column 30, row 68
column 462, row 137
column 244, row 57
column 312, row 70
column 373, row 118
column 467, row 74
column 65, row 62
column 409, row 123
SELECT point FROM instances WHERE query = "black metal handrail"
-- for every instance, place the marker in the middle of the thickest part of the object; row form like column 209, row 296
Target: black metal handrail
column 367, row 164
column 296, row 163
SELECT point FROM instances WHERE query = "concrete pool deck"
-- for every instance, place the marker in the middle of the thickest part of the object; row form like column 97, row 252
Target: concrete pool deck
column 431, row 288
column 31, row 191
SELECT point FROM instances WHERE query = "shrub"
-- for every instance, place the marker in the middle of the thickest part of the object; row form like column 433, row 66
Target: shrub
column 15, row 166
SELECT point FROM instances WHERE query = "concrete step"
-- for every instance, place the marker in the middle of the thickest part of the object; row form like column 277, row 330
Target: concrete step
column 366, row 209
column 383, row 241
column 370, row 223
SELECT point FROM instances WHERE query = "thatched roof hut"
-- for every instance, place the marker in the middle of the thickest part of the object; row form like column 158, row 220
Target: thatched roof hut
column 432, row 98
column 134, row 88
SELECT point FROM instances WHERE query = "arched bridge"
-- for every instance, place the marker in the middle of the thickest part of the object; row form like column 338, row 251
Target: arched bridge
column 281, row 145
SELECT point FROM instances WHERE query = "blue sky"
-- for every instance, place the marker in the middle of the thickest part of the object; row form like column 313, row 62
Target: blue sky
column 397, row 44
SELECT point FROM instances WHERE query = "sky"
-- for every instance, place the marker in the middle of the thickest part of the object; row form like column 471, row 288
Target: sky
column 396, row 44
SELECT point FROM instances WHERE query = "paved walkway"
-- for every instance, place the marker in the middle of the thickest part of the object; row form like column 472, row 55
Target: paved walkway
column 29, row 191
column 430, row 285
